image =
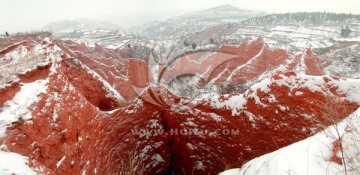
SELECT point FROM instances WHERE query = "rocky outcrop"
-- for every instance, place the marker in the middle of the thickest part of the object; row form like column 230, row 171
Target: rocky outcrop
column 233, row 69
column 67, row 134
column 307, row 63
column 73, row 137
column 269, row 116
column 81, row 123
column 8, row 93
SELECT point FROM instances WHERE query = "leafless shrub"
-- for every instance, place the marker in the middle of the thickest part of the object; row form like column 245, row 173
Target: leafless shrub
column 346, row 135
column 132, row 164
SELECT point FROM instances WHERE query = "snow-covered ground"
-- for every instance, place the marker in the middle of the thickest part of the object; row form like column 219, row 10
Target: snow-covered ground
column 294, row 37
column 313, row 155
column 19, row 105
column 14, row 164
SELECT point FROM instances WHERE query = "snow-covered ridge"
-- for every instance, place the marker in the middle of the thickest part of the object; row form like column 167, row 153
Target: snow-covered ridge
column 75, row 100
column 27, row 56
column 19, row 107
column 313, row 155
column 111, row 91
column 294, row 82
column 38, row 51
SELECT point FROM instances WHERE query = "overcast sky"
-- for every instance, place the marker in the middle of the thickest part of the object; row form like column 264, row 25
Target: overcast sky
column 25, row 15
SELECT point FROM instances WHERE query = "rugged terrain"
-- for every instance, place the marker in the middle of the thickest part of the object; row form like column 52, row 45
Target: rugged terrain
column 70, row 109
column 199, row 93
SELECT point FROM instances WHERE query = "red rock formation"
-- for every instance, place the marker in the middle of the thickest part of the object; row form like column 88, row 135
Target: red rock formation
column 307, row 63
column 268, row 120
column 41, row 73
column 8, row 93
column 243, row 64
column 69, row 135
column 89, row 86
column 70, row 131
column 120, row 73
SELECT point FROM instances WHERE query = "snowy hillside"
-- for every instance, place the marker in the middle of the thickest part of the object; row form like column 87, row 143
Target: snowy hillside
column 206, row 30
column 297, row 37
column 191, row 23
column 322, row 32
column 54, row 112
column 303, row 18
column 199, row 93
column 332, row 151
column 82, row 28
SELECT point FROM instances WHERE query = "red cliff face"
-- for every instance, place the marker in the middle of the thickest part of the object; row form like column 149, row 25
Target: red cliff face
column 80, row 125
column 69, row 134
column 246, row 64
column 307, row 63
column 92, row 140
column 122, row 74
column 8, row 93
column 269, row 116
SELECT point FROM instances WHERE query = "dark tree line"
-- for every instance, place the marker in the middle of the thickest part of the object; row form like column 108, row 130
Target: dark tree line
column 187, row 44
column 345, row 32
column 28, row 33
column 315, row 18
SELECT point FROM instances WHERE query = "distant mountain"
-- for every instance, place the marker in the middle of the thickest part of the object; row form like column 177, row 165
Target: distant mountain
column 290, row 31
column 193, row 22
column 222, row 14
column 131, row 20
column 78, row 27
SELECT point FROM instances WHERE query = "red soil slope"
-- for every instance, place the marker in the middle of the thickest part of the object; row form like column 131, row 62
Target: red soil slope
column 70, row 131
column 242, row 64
